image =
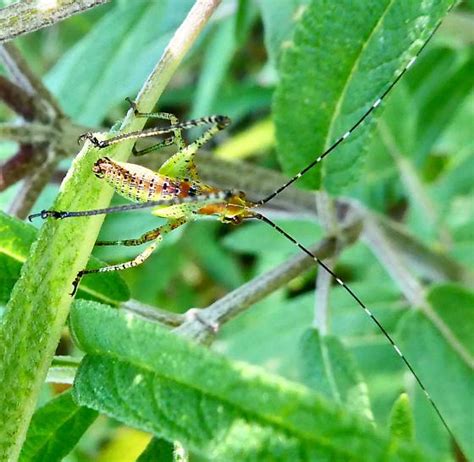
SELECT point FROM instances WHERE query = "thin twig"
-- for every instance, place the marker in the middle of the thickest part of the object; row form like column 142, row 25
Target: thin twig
column 202, row 324
column 50, row 132
column 419, row 258
column 63, row 369
column 329, row 221
column 173, row 54
column 31, row 99
column 27, row 79
column 19, row 100
column 411, row 288
column 19, row 165
column 30, row 133
column 321, row 299
column 32, row 186
column 152, row 313
column 390, row 259
column 413, row 184
column 30, row 15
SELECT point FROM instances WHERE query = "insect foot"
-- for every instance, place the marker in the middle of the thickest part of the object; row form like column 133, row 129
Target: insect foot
column 222, row 121
column 93, row 139
column 48, row 213
column 75, row 283
column 133, row 105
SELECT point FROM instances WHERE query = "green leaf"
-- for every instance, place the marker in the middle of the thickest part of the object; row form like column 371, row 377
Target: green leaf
column 329, row 368
column 133, row 32
column 441, row 72
column 158, row 450
column 445, row 331
column 148, row 378
column 279, row 23
column 342, row 57
column 201, row 240
column 401, row 420
column 259, row 238
column 55, row 429
column 219, row 53
column 455, row 306
column 16, row 238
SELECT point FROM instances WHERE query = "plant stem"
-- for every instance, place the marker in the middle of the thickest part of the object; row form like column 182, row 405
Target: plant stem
column 329, row 222
column 30, row 15
column 202, row 324
column 321, row 300
column 40, row 301
column 152, row 313
column 393, row 263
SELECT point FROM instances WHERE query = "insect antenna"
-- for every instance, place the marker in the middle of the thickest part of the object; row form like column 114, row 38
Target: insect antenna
column 359, row 122
column 280, row 230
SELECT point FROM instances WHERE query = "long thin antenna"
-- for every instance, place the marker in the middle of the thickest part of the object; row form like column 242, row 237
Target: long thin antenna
column 361, row 120
column 263, row 218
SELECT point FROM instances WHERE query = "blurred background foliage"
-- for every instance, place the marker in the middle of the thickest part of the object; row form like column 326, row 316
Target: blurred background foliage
column 418, row 171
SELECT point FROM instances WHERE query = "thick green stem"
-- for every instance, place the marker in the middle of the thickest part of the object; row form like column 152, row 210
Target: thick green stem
column 39, row 306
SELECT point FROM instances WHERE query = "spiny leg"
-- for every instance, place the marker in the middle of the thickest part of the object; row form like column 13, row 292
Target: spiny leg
column 181, row 164
column 177, row 134
column 207, row 198
column 155, row 147
column 146, row 237
column 217, row 120
column 139, row 259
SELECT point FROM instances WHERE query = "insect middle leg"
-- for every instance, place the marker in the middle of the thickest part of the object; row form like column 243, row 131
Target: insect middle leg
column 177, row 137
column 155, row 235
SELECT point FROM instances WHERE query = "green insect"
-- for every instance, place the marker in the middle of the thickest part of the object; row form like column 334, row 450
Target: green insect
column 176, row 193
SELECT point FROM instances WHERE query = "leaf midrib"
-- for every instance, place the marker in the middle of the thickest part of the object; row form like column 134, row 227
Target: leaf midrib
column 264, row 418
column 349, row 79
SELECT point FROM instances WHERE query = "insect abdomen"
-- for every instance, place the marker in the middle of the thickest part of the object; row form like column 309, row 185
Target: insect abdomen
column 134, row 182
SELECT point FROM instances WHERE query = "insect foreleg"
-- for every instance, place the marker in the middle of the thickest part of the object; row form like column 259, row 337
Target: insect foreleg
column 218, row 120
column 140, row 258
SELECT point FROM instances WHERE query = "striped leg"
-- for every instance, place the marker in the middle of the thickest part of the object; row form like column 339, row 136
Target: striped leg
column 181, row 164
column 177, row 133
column 155, row 147
column 156, row 235
column 215, row 120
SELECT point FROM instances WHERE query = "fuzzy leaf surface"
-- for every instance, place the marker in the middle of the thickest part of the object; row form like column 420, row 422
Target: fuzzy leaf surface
column 147, row 378
column 326, row 85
